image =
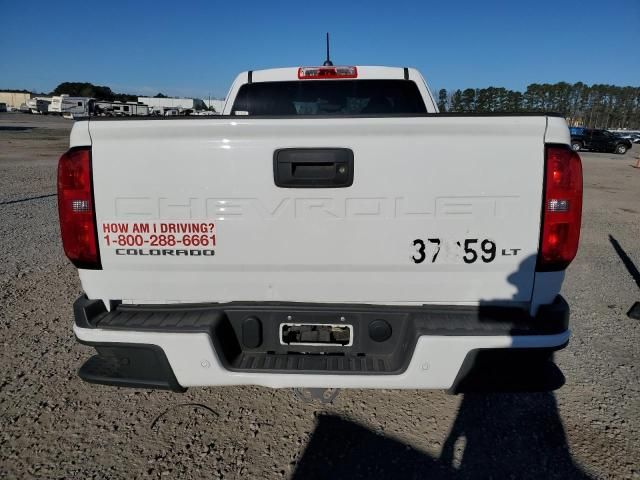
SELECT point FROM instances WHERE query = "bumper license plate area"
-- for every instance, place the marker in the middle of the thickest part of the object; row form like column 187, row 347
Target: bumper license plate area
column 318, row 334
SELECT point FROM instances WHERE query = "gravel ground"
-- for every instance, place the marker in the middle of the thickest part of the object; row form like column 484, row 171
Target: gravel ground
column 52, row 425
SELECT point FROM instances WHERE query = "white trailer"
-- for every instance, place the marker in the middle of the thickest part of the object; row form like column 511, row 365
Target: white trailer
column 39, row 105
column 162, row 104
column 121, row 109
column 216, row 104
column 72, row 107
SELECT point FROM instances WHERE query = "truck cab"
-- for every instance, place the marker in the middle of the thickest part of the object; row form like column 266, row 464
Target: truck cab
column 318, row 91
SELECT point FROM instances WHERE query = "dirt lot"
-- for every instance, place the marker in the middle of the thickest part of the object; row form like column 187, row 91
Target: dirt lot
column 52, row 425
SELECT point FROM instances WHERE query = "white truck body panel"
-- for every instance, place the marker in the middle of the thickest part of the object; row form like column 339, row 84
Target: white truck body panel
column 326, row 245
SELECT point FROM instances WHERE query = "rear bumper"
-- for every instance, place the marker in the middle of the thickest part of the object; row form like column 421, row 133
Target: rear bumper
column 433, row 347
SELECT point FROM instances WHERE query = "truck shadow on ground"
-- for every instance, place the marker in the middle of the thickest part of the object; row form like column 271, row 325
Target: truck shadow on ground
column 627, row 262
column 493, row 436
column 634, row 311
column 5, row 128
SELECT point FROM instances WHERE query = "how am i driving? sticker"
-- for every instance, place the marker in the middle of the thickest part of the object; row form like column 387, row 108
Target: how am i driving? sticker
column 159, row 239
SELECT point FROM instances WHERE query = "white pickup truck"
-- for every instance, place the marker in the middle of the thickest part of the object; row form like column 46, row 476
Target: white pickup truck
column 329, row 229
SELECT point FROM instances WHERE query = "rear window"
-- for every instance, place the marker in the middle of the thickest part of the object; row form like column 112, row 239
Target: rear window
column 329, row 97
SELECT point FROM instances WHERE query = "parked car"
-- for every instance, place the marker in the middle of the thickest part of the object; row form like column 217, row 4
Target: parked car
column 3, row 107
column 321, row 232
column 599, row 141
column 632, row 137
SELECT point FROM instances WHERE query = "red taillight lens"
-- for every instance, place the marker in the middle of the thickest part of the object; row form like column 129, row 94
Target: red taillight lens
column 75, row 207
column 320, row 73
column 562, row 208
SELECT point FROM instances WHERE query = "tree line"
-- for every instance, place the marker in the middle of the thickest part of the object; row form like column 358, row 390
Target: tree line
column 85, row 89
column 595, row 106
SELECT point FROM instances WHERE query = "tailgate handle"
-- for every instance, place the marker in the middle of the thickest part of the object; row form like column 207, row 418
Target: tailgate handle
column 313, row 167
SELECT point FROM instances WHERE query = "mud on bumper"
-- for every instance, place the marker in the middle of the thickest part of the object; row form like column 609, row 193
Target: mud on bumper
column 451, row 347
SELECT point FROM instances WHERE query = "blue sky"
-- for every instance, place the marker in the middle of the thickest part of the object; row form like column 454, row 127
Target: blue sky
column 196, row 48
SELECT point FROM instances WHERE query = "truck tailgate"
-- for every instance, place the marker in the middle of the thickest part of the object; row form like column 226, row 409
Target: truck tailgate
column 441, row 210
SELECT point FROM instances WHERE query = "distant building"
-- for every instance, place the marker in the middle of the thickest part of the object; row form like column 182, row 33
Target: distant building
column 14, row 99
column 160, row 104
column 218, row 105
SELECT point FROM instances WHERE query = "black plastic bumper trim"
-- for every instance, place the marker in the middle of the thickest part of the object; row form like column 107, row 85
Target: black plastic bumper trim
column 509, row 370
column 129, row 365
column 261, row 350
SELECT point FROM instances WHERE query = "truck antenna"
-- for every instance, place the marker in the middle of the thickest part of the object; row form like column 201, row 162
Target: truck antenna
column 328, row 62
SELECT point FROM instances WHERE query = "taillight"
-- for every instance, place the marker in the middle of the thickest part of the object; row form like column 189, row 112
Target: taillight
column 320, row 73
column 75, row 207
column 562, row 208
